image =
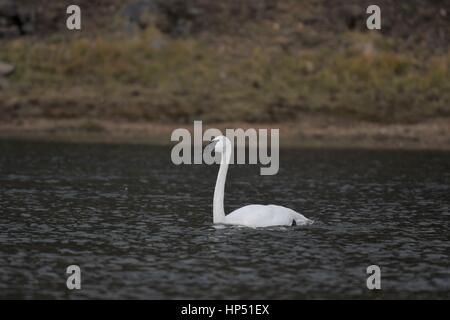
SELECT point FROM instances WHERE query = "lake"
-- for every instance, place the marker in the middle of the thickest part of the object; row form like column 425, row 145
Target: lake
column 140, row 227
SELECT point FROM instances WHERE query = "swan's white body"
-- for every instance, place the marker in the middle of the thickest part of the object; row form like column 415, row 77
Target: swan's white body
column 254, row 215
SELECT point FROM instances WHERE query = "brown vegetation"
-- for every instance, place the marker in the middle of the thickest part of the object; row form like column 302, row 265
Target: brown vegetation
column 247, row 61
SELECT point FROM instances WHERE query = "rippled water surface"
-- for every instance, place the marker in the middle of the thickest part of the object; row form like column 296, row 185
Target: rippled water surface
column 141, row 227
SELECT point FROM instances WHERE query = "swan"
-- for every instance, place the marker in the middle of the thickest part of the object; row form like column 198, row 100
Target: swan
column 254, row 215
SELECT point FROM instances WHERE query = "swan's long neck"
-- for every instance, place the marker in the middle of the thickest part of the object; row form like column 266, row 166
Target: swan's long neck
column 218, row 211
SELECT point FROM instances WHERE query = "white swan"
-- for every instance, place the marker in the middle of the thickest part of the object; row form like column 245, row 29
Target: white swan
column 254, row 215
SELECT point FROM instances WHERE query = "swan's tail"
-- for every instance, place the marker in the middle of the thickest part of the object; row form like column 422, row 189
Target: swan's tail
column 302, row 222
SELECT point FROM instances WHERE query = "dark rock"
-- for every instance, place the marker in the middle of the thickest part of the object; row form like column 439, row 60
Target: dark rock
column 175, row 17
column 352, row 15
column 182, row 17
column 15, row 19
column 141, row 14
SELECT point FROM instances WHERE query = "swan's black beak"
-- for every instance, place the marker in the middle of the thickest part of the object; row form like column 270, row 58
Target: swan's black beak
column 211, row 145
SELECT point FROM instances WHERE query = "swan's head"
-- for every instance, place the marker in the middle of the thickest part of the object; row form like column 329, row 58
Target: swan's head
column 220, row 144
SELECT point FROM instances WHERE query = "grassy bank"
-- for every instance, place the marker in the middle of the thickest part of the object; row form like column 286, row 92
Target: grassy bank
column 152, row 77
column 297, row 60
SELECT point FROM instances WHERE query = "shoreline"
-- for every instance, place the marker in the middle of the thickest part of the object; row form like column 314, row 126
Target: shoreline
column 308, row 132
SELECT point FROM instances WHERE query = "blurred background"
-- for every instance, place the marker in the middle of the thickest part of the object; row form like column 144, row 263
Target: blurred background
column 139, row 68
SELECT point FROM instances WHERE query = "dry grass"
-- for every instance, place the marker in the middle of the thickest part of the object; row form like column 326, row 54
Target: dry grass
column 150, row 76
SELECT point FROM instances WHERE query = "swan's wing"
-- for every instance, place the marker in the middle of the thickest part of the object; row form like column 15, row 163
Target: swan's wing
column 262, row 216
column 299, row 218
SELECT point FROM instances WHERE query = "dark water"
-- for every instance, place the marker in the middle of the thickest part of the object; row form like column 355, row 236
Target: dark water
column 140, row 227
